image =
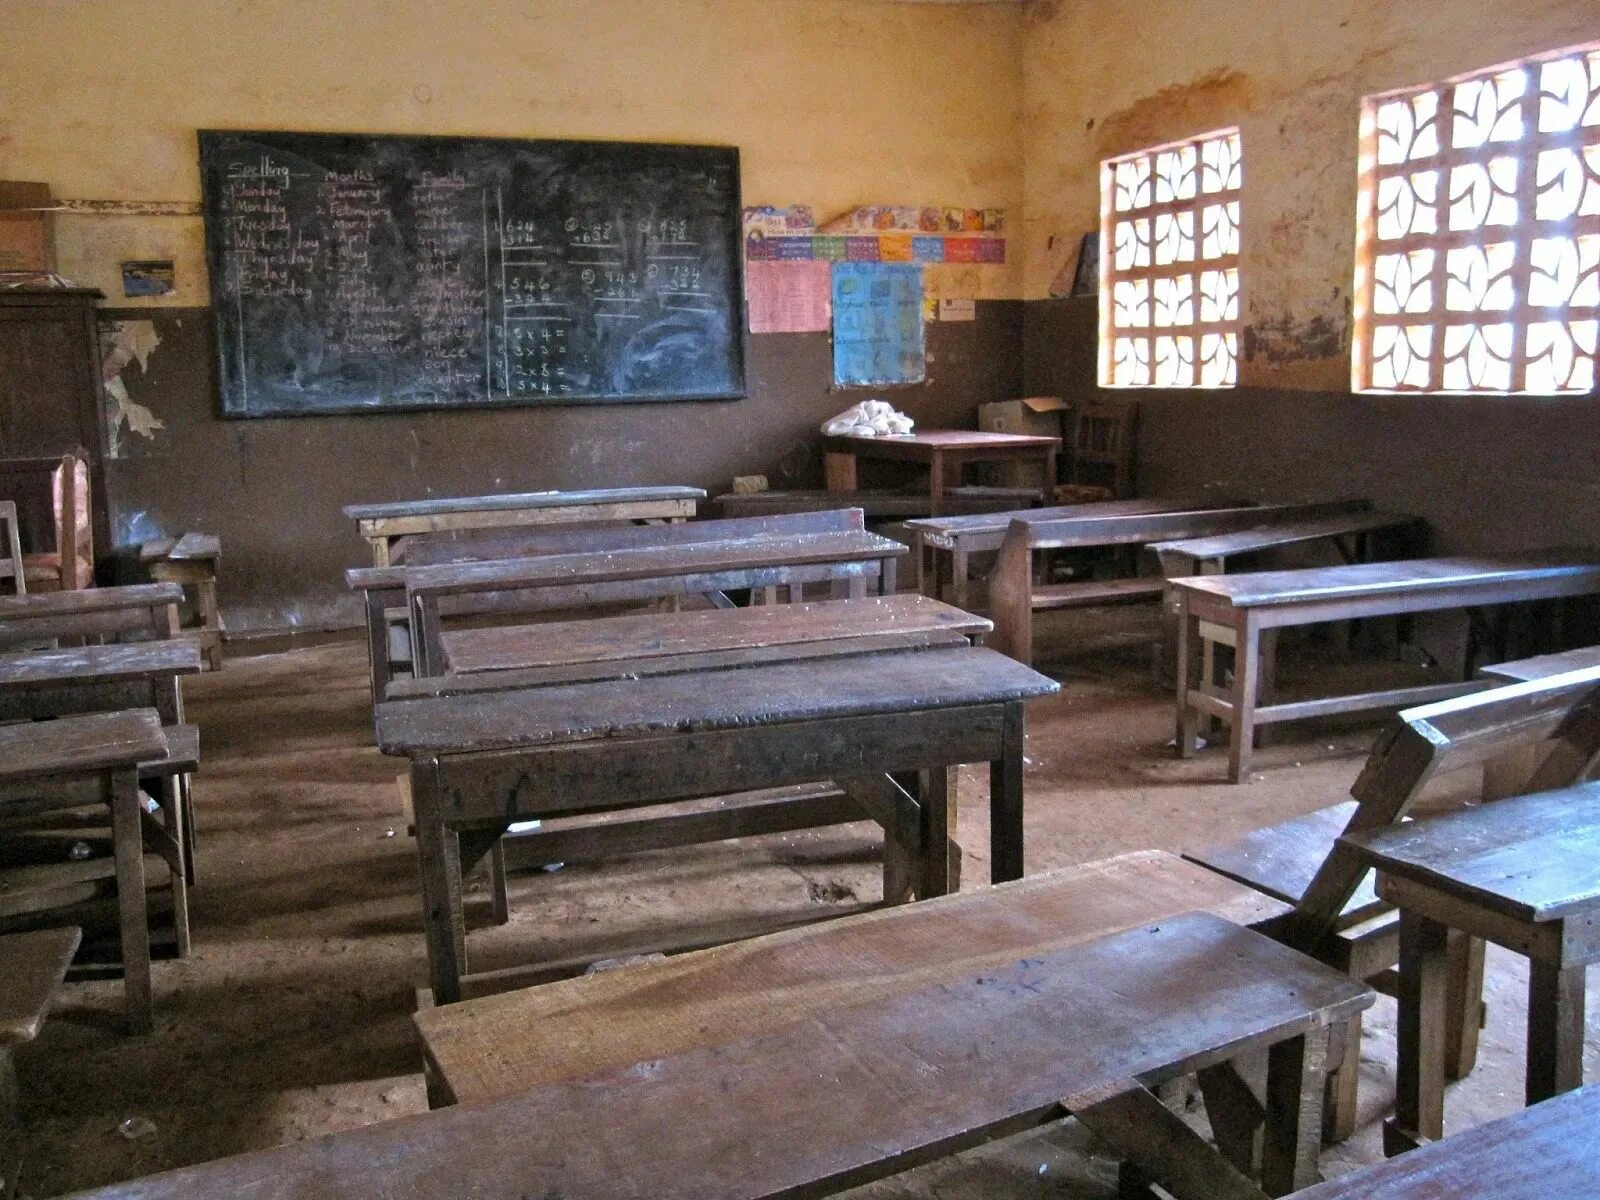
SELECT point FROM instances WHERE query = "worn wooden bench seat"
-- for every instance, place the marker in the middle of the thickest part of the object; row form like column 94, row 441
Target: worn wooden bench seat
column 879, row 505
column 1337, row 914
column 1545, row 1152
column 33, row 966
column 1208, row 555
column 139, row 610
column 1014, row 596
column 108, row 748
column 1247, row 608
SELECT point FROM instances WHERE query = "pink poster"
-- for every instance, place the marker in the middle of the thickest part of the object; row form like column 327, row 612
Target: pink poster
column 787, row 297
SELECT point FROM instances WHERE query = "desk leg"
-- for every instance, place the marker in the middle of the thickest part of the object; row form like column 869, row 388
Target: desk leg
column 1005, row 800
column 958, row 578
column 380, row 551
column 839, row 471
column 1048, row 497
column 1296, row 1070
column 1188, row 663
column 936, row 466
column 1246, row 685
column 377, row 643
column 128, row 845
column 936, row 799
column 439, row 855
column 1555, row 1030
column 1419, row 1070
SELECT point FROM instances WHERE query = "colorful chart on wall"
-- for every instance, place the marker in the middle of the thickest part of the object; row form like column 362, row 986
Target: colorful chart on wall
column 877, row 324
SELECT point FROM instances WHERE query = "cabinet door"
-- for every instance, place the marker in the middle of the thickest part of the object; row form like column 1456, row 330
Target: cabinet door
column 47, row 385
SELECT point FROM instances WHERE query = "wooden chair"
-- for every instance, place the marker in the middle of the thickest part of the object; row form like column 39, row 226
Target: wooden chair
column 52, row 499
column 1337, row 916
column 11, row 549
column 1103, row 447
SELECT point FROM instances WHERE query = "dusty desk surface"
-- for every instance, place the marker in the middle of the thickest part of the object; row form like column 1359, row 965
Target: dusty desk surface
column 117, row 663
column 1525, row 670
column 80, row 745
column 937, row 439
column 838, row 1097
column 653, row 635
column 992, row 522
column 501, row 1045
column 1547, row 1152
column 456, row 504
column 88, row 600
column 1392, row 578
column 1287, row 533
column 734, row 698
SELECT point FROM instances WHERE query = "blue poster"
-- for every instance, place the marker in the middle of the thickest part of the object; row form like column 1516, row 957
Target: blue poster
column 877, row 324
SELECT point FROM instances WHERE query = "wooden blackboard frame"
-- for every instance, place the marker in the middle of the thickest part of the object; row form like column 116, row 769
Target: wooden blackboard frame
column 234, row 402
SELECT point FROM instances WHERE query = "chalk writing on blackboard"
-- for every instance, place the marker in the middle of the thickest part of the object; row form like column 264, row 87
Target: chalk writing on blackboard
column 363, row 273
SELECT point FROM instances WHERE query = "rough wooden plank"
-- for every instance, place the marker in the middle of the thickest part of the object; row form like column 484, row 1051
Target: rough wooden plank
column 33, row 966
column 1276, row 535
column 1088, row 592
column 81, row 744
column 950, row 526
column 1541, row 1153
column 736, row 698
column 513, row 500
column 491, row 1047
column 1140, row 529
column 44, row 605
column 657, row 634
column 1539, row 574
column 1543, row 666
column 88, row 665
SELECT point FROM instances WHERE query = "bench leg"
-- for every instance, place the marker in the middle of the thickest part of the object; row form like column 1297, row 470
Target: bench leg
column 1296, row 1074
column 132, row 909
column 936, row 798
column 499, row 895
column 210, row 622
column 1464, row 1007
column 1340, row 1097
column 1005, row 800
column 172, row 820
column 1188, row 662
column 959, row 583
column 1246, row 681
column 439, row 853
column 1266, row 685
column 1235, row 1096
column 1555, row 1030
column 1419, row 1070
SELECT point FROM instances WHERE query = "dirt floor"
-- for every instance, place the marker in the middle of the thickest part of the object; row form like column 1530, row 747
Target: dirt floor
column 291, row 1018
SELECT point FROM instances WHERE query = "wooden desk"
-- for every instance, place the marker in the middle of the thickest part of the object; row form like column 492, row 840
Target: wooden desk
column 704, row 631
column 480, row 762
column 106, row 749
column 192, row 561
column 944, row 452
column 48, row 683
column 1523, row 872
column 385, row 525
column 1546, row 1152
column 149, row 609
column 1247, row 607
column 848, row 558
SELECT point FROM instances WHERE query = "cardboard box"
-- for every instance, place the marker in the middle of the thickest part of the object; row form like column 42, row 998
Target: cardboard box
column 1041, row 416
column 26, row 242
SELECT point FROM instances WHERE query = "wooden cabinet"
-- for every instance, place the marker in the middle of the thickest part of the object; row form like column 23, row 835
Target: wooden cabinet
column 50, row 391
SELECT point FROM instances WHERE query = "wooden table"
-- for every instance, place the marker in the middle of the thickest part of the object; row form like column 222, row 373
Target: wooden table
column 943, row 451
column 1246, row 608
column 385, row 525
column 146, row 609
column 105, row 749
column 702, row 631
column 1546, row 1152
column 192, row 561
column 1523, row 872
column 480, row 762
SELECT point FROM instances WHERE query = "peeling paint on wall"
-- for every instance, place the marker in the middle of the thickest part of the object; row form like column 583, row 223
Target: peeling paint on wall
column 1180, row 110
column 124, row 343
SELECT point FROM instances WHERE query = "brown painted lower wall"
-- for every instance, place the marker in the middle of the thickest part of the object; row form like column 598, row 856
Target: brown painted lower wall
column 1488, row 473
column 274, row 489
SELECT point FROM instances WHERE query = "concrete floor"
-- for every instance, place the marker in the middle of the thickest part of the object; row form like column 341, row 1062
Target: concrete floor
column 291, row 1017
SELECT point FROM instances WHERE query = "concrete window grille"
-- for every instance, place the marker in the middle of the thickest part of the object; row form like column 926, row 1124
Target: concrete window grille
column 1478, row 239
column 1169, row 265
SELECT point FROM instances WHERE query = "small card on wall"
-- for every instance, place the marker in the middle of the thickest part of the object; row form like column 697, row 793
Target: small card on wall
column 958, row 310
column 147, row 277
column 787, row 297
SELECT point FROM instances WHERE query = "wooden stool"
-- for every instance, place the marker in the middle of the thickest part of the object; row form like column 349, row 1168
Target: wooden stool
column 1519, row 872
column 33, row 965
column 191, row 561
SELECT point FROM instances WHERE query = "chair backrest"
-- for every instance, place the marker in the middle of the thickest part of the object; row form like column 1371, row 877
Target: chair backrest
column 1103, row 439
column 11, row 573
column 54, row 523
column 1560, row 715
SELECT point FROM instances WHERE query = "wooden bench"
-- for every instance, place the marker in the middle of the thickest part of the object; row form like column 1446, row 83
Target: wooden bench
column 107, row 749
column 850, row 560
column 1337, row 914
column 879, row 505
column 1014, row 596
column 33, row 966
column 192, row 561
column 854, row 720
column 1243, row 609
column 386, row 526
column 1541, row 1153
column 1523, row 872
column 11, row 549
column 141, row 610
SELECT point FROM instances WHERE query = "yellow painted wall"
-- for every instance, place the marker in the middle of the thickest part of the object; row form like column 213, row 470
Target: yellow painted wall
column 1104, row 77
column 832, row 102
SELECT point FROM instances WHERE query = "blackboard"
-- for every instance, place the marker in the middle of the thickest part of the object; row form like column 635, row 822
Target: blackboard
column 365, row 273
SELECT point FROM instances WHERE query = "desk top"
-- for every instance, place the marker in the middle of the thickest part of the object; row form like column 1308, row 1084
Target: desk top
column 118, row 663
column 88, row 600
column 730, row 698
column 654, row 635
column 1541, row 1153
column 941, row 439
column 1287, row 533
column 1525, row 670
column 838, row 1097
column 1394, row 578
column 518, row 500
column 1535, row 858
column 649, row 562
column 997, row 522
column 72, row 746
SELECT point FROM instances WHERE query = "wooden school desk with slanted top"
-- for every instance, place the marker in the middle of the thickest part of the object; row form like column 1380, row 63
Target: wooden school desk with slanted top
column 387, row 526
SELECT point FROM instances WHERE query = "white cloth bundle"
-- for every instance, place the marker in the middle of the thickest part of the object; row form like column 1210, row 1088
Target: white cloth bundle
column 870, row 418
